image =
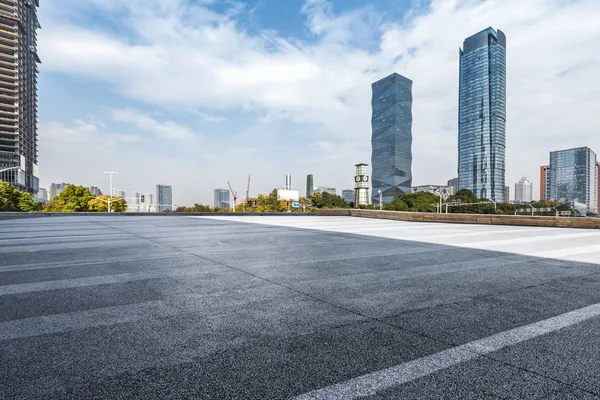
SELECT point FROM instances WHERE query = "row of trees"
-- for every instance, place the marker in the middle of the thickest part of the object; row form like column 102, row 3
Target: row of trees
column 13, row 200
column 79, row 199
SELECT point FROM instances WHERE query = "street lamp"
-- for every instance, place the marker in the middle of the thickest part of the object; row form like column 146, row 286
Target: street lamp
column 532, row 209
column 8, row 169
column 495, row 205
column 380, row 200
column 110, row 193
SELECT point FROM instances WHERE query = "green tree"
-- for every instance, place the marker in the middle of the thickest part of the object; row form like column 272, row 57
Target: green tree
column 100, row 204
column 71, row 199
column 328, row 200
column 13, row 200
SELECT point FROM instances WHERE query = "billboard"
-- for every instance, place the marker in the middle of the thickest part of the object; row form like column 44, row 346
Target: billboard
column 288, row 195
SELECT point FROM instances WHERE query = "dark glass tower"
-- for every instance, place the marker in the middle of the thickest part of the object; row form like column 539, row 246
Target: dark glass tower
column 18, row 93
column 573, row 177
column 392, row 138
column 482, row 114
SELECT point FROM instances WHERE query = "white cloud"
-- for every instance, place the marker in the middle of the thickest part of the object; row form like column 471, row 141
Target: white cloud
column 187, row 57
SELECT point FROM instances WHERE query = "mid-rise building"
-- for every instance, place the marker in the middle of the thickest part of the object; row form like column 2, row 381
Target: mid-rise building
column 164, row 198
column 482, row 115
column 444, row 191
column 309, row 185
column 325, row 189
column 221, row 198
column 523, row 191
column 453, row 184
column 574, row 177
column 56, row 188
column 507, row 193
column 348, row 195
column 598, row 183
column 391, row 140
column 119, row 193
column 95, row 191
column 545, row 182
column 42, row 195
column 18, row 94
column 134, row 203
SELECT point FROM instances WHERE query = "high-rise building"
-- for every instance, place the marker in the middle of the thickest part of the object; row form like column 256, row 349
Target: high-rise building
column 453, row 185
column 309, row 185
column 18, row 93
column 482, row 114
column 391, row 141
column 348, row 195
column 361, row 185
column 56, row 188
column 148, row 205
column 545, row 182
column 507, row 193
column 523, row 191
column 42, row 195
column 573, row 177
column 164, row 198
column 221, row 198
column 440, row 190
column 598, row 184
column 95, row 191
column 119, row 193
column 134, row 203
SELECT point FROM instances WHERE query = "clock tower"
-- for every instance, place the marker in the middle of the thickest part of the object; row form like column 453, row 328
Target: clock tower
column 361, row 185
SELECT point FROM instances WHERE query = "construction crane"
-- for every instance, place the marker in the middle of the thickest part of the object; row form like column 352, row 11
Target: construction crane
column 248, row 189
column 234, row 194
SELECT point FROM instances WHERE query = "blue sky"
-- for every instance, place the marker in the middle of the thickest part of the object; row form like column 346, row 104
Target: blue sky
column 194, row 93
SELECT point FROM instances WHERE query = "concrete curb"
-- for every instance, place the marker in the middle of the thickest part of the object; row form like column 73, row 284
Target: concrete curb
column 16, row 215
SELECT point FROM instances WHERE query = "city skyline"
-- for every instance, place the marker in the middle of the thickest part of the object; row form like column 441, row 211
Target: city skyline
column 97, row 111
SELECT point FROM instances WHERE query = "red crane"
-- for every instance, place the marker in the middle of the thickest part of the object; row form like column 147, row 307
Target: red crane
column 248, row 189
column 234, row 194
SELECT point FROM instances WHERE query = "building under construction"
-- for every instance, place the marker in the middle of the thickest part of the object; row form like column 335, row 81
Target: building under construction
column 18, row 93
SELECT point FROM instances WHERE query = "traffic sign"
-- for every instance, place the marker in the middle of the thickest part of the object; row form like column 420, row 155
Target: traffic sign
column 295, row 204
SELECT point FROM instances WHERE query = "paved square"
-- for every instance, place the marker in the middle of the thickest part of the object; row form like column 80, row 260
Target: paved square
column 296, row 307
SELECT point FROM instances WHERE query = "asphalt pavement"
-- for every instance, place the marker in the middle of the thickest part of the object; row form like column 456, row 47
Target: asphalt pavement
column 307, row 308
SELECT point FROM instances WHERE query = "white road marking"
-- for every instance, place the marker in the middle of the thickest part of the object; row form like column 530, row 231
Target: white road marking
column 372, row 383
column 64, row 237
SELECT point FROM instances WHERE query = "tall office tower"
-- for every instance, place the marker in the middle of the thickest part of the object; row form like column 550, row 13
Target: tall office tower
column 361, row 185
column 391, row 141
column 164, row 198
column 507, row 194
column 482, row 114
column 221, row 199
column 573, row 177
column 348, row 195
column 453, row 184
column 43, row 195
column 523, row 191
column 95, row 190
column 18, row 93
column 133, row 204
column 309, row 185
column 56, row 188
column 545, row 182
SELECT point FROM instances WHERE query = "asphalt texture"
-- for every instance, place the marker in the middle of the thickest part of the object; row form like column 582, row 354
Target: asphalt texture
column 312, row 307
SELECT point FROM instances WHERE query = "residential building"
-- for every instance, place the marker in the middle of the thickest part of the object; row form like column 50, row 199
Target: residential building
column 119, row 193
column 148, row 204
column 573, row 177
column 545, row 182
column 323, row 189
column 523, row 191
column 95, row 191
column 18, row 94
column 444, row 191
column 221, row 198
column 453, row 184
column 348, row 195
column 598, row 184
column 507, row 194
column 391, row 140
column 361, row 185
column 164, row 198
column 134, row 203
column 309, row 185
column 42, row 195
column 56, row 188
column 482, row 114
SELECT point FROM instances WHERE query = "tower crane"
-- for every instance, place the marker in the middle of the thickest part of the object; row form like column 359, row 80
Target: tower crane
column 234, row 194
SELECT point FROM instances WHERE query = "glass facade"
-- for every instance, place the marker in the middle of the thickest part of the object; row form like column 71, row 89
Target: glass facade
column 221, row 198
column 164, row 198
column 391, row 141
column 482, row 115
column 573, row 177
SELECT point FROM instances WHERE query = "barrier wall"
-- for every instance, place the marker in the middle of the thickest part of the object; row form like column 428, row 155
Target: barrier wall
column 483, row 219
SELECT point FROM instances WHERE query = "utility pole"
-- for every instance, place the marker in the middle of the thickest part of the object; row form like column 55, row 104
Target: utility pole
column 110, row 190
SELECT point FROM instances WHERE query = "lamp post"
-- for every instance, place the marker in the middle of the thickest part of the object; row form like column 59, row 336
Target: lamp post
column 556, row 209
column 495, row 205
column 380, row 200
column 532, row 209
column 110, row 190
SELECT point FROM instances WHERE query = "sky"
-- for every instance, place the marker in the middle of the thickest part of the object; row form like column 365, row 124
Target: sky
column 196, row 93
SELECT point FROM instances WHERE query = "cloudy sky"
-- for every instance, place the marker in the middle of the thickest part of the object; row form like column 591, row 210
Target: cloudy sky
column 194, row 93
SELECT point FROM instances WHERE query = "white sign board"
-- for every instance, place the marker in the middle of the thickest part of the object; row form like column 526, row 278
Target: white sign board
column 288, row 195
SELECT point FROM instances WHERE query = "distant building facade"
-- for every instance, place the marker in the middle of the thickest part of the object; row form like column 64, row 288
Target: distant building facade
column 453, row 184
column 164, row 198
column 348, row 195
column 507, row 194
column 574, row 177
column 545, row 182
column 323, row 189
column 56, row 188
column 444, row 191
column 221, row 198
column 119, row 193
column 598, row 183
column 309, row 185
column 95, row 191
column 482, row 114
column 42, row 195
column 391, row 140
column 523, row 191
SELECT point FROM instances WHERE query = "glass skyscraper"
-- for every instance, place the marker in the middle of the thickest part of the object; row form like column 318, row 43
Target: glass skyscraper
column 482, row 114
column 391, row 141
column 573, row 177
